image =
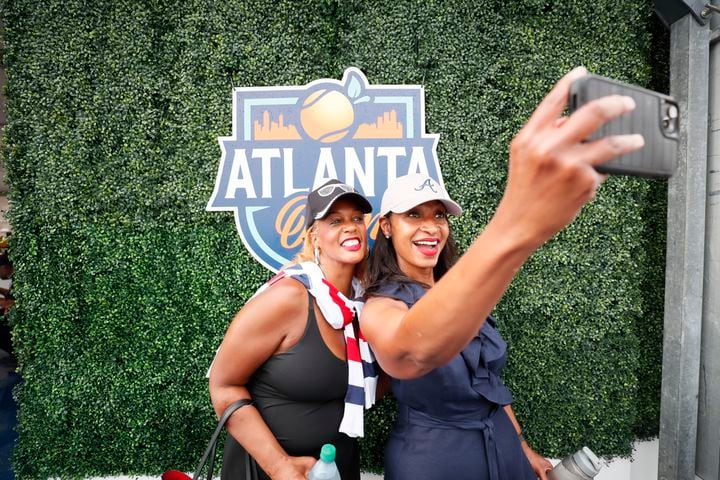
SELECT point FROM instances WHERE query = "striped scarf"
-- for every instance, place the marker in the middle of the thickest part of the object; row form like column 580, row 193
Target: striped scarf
column 339, row 311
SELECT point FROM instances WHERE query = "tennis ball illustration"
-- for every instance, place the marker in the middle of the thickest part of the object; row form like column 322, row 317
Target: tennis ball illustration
column 327, row 115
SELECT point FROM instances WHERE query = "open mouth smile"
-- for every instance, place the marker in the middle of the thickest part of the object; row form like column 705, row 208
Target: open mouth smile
column 353, row 244
column 427, row 246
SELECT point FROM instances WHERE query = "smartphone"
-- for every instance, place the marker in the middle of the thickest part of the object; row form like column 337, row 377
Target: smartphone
column 656, row 118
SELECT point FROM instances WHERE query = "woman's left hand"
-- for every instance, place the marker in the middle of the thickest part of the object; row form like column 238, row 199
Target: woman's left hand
column 539, row 464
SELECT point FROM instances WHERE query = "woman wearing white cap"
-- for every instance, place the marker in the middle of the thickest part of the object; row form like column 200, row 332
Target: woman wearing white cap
column 290, row 355
column 426, row 316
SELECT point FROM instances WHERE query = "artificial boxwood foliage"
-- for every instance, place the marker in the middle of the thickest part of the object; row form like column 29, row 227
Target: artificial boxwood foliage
column 125, row 285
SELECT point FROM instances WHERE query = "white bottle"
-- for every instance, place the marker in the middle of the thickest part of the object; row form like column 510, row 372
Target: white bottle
column 325, row 468
column 581, row 465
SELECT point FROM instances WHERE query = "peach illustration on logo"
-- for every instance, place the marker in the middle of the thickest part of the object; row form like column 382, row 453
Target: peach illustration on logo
column 327, row 115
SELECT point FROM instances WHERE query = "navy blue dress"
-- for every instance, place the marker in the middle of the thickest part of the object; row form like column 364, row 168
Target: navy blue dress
column 451, row 422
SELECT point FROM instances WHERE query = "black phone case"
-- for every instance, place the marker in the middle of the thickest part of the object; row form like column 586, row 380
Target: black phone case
column 658, row 157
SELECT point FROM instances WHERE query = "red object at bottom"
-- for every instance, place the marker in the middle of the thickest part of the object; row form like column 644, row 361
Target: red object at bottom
column 175, row 475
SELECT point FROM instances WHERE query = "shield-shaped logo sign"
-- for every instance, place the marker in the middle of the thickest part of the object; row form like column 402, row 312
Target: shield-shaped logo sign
column 287, row 141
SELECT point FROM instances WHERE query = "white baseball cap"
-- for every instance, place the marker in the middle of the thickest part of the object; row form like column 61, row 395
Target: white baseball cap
column 412, row 190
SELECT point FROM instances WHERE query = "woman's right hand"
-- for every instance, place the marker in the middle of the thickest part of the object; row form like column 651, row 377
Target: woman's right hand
column 292, row 468
column 551, row 174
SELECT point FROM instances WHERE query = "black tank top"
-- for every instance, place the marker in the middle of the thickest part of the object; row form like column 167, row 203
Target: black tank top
column 301, row 396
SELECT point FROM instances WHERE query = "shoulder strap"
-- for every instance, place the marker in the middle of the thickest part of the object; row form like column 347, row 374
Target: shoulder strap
column 212, row 444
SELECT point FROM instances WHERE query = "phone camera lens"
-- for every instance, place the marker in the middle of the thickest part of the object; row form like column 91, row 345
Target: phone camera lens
column 669, row 119
column 669, row 124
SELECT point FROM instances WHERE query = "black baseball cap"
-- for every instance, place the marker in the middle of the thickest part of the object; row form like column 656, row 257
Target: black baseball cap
column 322, row 198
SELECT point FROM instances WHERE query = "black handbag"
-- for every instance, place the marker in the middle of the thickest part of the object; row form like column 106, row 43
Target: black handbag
column 209, row 455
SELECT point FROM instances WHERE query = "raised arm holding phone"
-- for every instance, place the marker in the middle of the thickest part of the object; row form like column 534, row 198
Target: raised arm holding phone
column 427, row 315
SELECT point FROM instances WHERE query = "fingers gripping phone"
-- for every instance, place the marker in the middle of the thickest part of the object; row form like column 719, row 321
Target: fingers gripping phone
column 656, row 118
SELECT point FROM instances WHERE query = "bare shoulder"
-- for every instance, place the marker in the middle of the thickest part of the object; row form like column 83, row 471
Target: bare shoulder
column 266, row 325
column 381, row 303
column 381, row 321
column 287, row 298
column 377, row 311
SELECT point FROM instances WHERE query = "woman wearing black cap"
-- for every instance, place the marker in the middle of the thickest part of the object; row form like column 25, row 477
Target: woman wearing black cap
column 286, row 351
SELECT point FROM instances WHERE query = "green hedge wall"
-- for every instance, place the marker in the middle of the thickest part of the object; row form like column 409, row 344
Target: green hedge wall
column 125, row 285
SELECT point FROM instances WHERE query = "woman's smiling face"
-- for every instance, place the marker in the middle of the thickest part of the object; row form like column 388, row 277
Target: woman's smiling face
column 418, row 236
column 341, row 235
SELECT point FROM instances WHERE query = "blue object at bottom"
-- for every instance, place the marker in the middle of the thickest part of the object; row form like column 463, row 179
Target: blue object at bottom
column 8, row 420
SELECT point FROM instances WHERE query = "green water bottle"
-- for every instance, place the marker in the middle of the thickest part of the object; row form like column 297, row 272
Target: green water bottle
column 325, row 468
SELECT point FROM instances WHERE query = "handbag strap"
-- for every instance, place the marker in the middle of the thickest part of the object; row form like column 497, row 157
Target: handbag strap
column 212, row 444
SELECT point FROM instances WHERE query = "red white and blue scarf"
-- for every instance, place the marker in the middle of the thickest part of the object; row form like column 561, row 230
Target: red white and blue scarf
column 339, row 311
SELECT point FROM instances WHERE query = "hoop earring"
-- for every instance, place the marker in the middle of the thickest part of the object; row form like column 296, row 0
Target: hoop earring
column 317, row 255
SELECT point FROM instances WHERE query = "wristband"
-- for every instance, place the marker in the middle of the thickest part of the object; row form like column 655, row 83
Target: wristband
column 521, row 437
